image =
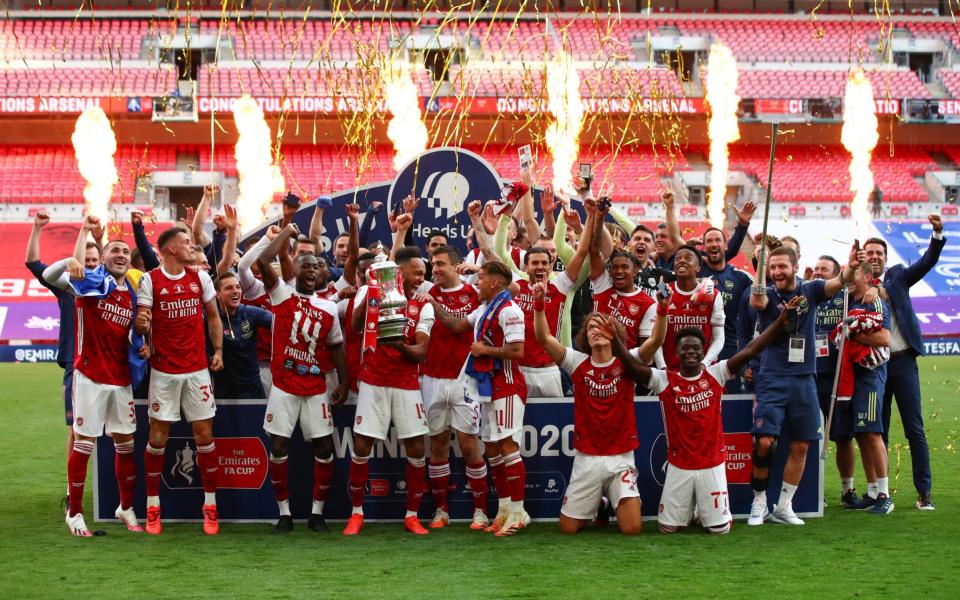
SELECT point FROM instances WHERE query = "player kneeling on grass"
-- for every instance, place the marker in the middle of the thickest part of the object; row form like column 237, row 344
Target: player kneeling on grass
column 169, row 302
column 305, row 331
column 102, row 395
column 604, row 420
column 696, row 471
column 390, row 392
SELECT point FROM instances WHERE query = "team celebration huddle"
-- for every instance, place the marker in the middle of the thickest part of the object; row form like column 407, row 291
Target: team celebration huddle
column 437, row 346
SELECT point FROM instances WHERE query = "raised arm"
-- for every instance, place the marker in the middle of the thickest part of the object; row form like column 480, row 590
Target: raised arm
column 316, row 224
column 90, row 223
column 500, row 243
column 594, row 217
column 230, row 247
column 368, row 218
column 622, row 220
column 653, row 343
column 404, row 222
column 210, row 192
column 918, row 270
column 353, row 245
column 740, row 231
column 540, row 327
column 147, row 254
column 548, row 204
column 766, row 337
column 638, row 371
column 275, row 246
column 484, row 241
column 670, row 213
column 832, row 286
column 527, row 214
column 40, row 221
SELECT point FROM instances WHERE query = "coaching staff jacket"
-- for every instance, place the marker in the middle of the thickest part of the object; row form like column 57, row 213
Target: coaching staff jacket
column 897, row 281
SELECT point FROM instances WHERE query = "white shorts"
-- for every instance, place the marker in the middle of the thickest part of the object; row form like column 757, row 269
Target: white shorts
column 502, row 418
column 543, row 382
column 98, row 407
column 285, row 410
column 172, row 393
column 377, row 406
column 266, row 377
column 447, row 406
column 704, row 488
column 595, row 476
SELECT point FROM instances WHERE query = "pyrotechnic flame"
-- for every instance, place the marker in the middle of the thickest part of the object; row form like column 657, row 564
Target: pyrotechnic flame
column 723, row 129
column 859, row 137
column 94, row 145
column 406, row 128
column 564, row 102
column 260, row 178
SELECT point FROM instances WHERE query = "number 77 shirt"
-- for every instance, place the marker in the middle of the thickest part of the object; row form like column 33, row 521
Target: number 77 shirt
column 303, row 328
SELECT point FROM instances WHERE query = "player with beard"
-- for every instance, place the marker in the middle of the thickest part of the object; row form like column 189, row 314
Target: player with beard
column 305, row 327
column 731, row 283
column 542, row 375
column 691, row 400
column 102, row 393
column 242, row 325
column 389, row 391
column 829, row 315
column 787, row 391
column 443, row 395
column 669, row 236
column 169, row 302
column 605, row 429
column 693, row 303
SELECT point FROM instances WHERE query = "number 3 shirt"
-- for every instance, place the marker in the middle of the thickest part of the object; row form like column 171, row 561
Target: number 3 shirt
column 303, row 327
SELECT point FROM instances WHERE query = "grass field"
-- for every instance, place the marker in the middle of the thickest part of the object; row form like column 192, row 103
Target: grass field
column 845, row 554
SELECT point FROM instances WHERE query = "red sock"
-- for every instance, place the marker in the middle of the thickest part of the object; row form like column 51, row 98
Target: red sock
column 516, row 476
column 77, row 473
column 477, row 480
column 322, row 476
column 152, row 467
column 207, row 461
column 500, row 477
column 359, row 472
column 416, row 482
column 279, row 477
column 439, row 482
column 126, row 470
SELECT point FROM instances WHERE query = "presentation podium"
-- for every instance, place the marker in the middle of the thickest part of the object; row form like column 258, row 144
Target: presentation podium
column 245, row 493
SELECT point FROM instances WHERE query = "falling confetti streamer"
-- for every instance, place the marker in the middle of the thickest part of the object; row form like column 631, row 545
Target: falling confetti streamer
column 859, row 136
column 723, row 130
column 94, row 144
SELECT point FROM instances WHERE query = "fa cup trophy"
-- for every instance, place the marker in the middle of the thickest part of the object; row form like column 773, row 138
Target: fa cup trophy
column 392, row 304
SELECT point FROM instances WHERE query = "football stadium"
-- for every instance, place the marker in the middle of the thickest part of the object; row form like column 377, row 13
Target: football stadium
column 503, row 299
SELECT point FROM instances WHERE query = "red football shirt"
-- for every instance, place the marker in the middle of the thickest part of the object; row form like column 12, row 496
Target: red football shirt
column 177, row 331
column 635, row 310
column 506, row 328
column 691, row 413
column 448, row 351
column 303, row 327
column 604, row 421
column 533, row 353
column 102, row 337
column 387, row 367
column 691, row 309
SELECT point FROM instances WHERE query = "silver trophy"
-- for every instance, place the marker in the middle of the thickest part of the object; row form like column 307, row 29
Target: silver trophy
column 391, row 318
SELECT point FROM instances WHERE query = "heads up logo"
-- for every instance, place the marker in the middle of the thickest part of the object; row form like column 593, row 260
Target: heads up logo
column 444, row 180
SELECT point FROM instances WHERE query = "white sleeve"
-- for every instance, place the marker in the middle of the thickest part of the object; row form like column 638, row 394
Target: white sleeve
column 659, row 360
column 279, row 294
column 658, row 381
column 208, row 292
column 717, row 339
column 341, row 284
column 426, row 320
column 473, row 317
column 358, row 300
column 511, row 321
column 602, row 283
column 572, row 359
column 424, row 287
column 718, row 317
column 563, row 283
column 335, row 335
column 57, row 276
column 646, row 323
column 342, row 308
column 145, row 291
column 720, row 372
column 252, row 287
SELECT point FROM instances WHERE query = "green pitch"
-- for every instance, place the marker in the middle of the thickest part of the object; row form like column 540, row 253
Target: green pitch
column 845, row 554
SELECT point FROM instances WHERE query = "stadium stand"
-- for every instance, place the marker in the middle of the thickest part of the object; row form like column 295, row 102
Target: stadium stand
column 69, row 39
column 90, row 81
column 826, row 84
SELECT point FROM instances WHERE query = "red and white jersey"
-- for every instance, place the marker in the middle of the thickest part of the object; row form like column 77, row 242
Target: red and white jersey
column 388, row 367
column 635, row 310
column 448, row 351
column 604, row 421
column 476, row 257
column 691, row 309
column 102, row 337
column 303, row 327
column 264, row 337
column 557, row 290
column 332, row 290
column 691, row 414
column 352, row 341
column 177, row 331
column 506, row 328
